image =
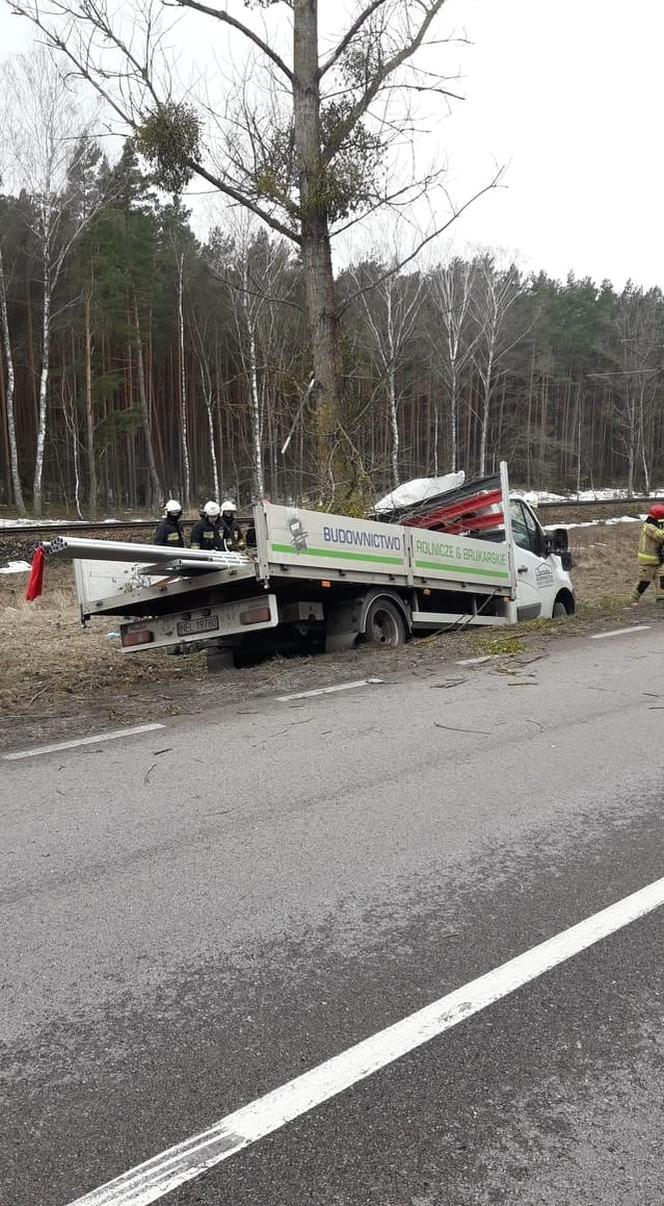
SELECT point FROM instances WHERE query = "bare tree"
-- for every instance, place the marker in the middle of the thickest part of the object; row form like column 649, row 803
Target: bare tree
column 635, row 376
column 309, row 155
column 494, row 294
column 251, row 267
column 47, row 135
column 184, row 437
column 9, row 390
column 199, row 327
column 454, row 340
column 391, row 305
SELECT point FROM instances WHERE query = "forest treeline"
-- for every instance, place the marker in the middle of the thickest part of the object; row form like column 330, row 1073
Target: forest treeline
column 139, row 362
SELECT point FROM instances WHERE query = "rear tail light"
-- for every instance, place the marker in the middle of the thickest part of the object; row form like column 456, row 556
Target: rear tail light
column 138, row 636
column 257, row 615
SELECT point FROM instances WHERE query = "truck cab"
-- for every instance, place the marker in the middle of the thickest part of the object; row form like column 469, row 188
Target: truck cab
column 542, row 564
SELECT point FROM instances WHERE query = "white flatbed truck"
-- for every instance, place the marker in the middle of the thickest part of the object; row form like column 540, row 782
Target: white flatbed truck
column 327, row 580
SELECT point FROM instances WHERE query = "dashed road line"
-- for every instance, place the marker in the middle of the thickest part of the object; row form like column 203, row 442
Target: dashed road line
column 185, row 1161
column 617, row 632
column 70, row 745
column 361, row 682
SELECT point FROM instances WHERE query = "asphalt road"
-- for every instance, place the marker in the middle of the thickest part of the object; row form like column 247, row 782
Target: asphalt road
column 192, row 917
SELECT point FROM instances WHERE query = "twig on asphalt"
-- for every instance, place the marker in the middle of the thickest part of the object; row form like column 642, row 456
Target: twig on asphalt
column 452, row 729
column 146, row 776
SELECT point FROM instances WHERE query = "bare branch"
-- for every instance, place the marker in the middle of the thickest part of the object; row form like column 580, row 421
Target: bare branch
column 374, row 86
column 350, row 35
column 396, row 267
column 243, row 199
column 243, row 29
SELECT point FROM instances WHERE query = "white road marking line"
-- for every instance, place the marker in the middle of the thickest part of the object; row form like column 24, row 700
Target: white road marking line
column 361, row 682
column 164, row 1173
column 70, row 745
column 601, row 636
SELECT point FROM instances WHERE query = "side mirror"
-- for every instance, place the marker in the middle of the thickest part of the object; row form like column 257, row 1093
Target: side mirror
column 566, row 560
column 560, row 541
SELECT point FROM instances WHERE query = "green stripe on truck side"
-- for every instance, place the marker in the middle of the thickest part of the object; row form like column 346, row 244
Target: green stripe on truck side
column 338, row 554
column 459, row 570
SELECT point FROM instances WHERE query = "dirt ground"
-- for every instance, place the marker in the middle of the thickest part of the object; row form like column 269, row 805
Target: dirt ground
column 57, row 677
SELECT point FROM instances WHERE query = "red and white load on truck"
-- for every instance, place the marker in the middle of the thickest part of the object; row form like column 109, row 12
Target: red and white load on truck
column 466, row 555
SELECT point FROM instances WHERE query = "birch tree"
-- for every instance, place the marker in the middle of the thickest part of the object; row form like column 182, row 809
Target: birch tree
column 454, row 340
column 178, row 239
column 390, row 305
column 251, row 267
column 635, row 379
column 10, row 385
column 46, row 137
column 305, row 141
column 494, row 293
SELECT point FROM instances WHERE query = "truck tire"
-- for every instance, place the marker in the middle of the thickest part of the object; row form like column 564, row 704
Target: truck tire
column 384, row 624
column 560, row 611
column 219, row 660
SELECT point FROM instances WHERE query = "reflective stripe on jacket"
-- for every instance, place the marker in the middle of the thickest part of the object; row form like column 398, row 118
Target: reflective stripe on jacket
column 170, row 532
column 650, row 544
column 205, row 535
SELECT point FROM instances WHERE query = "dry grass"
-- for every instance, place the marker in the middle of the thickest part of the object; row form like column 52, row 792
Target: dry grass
column 48, row 654
column 604, row 562
column 50, row 665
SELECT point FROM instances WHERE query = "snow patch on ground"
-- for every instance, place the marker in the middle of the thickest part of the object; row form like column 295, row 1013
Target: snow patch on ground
column 15, row 567
column 610, row 494
column 46, row 523
column 596, row 523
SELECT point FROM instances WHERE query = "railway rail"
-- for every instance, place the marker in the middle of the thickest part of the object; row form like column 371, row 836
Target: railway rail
column 555, row 512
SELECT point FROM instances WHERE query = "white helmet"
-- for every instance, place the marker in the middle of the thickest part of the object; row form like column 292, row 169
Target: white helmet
column 211, row 510
column 173, row 507
column 228, row 505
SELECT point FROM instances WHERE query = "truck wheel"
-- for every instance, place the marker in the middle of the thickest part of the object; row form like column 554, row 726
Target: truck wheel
column 219, row 660
column 385, row 624
column 560, row 611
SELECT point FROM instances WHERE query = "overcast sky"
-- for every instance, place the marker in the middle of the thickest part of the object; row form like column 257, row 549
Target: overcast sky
column 568, row 95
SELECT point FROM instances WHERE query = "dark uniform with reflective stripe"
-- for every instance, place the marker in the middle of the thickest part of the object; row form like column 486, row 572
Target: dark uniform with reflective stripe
column 170, row 533
column 231, row 535
column 206, row 535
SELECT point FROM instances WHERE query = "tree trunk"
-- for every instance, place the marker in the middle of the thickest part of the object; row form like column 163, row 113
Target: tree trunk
column 256, row 419
column 89, row 409
column 157, row 492
column 206, row 385
column 334, row 464
column 642, row 442
column 184, row 440
column 454, row 419
column 394, row 424
column 42, row 413
column 487, row 382
column 9, row 396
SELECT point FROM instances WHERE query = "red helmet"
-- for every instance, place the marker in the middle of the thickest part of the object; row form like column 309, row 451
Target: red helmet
column 656, row 511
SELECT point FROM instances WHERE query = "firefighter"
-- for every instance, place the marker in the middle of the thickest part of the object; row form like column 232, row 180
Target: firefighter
column 231, row 532
column 651, row 551
column 170, row 530
column 205, row 533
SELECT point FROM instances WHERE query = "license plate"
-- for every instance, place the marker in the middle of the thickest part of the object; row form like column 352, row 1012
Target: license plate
column 192, row 627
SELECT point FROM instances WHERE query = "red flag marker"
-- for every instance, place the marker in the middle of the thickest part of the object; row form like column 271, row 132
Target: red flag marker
column 34, row 587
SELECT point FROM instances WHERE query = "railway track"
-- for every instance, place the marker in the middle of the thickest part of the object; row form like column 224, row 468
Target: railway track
column 553, row 512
